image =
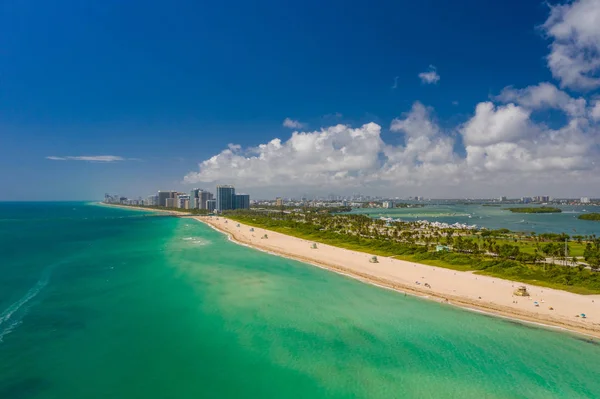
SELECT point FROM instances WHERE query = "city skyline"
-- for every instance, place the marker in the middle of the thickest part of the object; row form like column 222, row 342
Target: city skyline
column 439, row 106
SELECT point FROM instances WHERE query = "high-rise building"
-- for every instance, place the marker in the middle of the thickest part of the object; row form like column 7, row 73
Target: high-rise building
column 387, row 204
column 181, row 200
column 164, row 195
column 152, row 200
column 169, row 203
column 279, row 201
column 585, row 200
column 241, row 201
column 194, row 198
column 204, row 196
column 225, row 201
column 211, row 205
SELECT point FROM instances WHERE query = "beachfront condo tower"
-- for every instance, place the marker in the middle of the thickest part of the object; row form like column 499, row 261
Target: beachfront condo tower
column 211, row 205
column 204, row 196
column 225, row 200
column 241, row 201
column 194, row 198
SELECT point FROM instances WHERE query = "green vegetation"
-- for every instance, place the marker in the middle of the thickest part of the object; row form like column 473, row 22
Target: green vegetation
column 405, row 205
column 541, row 209
column 499, row 253
column 304, row 209
column 590, row 216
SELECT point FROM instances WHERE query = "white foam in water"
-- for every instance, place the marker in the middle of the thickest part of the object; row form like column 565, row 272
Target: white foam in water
column 197, row 241
column 9, row 329
column 14, row 308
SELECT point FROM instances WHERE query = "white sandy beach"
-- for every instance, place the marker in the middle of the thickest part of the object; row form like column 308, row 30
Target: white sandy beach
column 463, row 289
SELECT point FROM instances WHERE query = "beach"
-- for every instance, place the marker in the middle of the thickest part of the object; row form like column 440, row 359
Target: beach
column 546, row 306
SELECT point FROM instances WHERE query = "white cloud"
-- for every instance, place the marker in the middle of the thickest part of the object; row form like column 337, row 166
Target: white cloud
column 395, row 85
column 492, row 124
column 329, row 156
column 595, row 111
column 504, row 140
column 502, row 145
column 543, row 95
column 292, row 124
column 429, row 77
column 416, row 123
column 94, row 158
column 574, row 29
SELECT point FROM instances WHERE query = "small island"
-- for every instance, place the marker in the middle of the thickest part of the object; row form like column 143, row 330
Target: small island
column 542, row 209
column 590, row 216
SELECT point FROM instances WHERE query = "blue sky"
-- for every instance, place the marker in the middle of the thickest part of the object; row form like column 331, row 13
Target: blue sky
column 162, row 87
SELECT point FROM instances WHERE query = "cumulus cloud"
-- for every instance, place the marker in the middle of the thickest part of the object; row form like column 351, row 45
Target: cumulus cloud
column 595, row 111
column 543, row 95
column 91, row 158
column 501, row 145
column 416, row 123
column 574, row 29
column 505, row 140
column 333, row 155
column 429, row 77
column 341, row 156
column 292, row 124
column 492, row 124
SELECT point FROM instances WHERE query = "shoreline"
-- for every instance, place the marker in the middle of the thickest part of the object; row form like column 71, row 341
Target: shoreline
column 578, row 326
column 139, row 208
column 489, row 296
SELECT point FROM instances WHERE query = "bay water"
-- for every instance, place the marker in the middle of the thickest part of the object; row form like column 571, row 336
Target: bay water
column 492, row 217
column 100, row 302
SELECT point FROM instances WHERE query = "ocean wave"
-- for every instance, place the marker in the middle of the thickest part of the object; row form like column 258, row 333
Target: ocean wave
column 196, row 240
column 17, row 310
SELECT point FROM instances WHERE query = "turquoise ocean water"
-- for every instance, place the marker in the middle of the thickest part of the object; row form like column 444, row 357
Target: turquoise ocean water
column 98, row 302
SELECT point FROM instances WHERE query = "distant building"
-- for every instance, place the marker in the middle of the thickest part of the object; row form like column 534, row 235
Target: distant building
column 164, row 195
column 502, row 199
column 181, row 201
column 241, row 201
column 387, row 204
column 169, row 203
column 526, row 200
column 152, row 200
column 279, row 201
column 211, row 205
column 204, row 196
column 194, row 204
column 225, row 200
column 584, row 200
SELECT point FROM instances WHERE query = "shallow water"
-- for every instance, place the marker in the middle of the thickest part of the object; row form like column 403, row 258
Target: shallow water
column 98, row 302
